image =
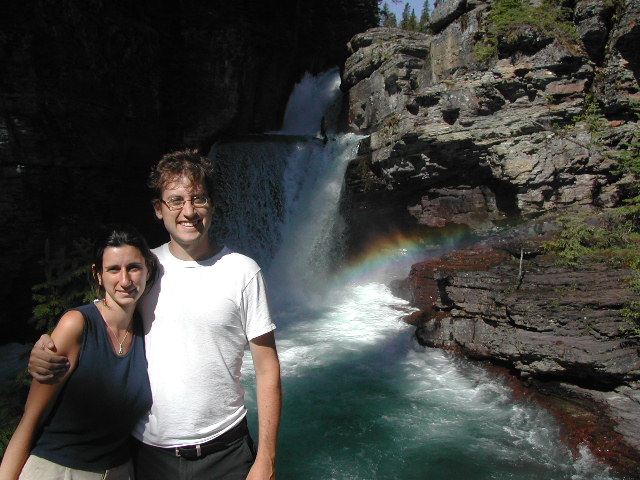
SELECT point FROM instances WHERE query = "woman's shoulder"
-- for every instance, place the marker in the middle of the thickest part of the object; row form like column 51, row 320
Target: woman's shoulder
column 68, row 331
column 90, row 312
column 71, row 321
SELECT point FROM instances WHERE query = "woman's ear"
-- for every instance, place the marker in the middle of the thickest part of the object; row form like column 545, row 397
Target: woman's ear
column 96, row 274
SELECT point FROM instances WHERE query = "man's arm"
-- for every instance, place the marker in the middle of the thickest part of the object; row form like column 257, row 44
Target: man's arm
column 269, row 393
column 45, row 365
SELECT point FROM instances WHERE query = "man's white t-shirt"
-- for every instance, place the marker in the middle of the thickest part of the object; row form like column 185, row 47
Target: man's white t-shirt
column 198, row 319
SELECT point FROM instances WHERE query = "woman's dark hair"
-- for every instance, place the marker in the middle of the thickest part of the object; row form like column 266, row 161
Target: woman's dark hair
column 118, row 236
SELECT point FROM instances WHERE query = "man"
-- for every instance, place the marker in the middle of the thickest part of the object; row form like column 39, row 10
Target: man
column 208, row 303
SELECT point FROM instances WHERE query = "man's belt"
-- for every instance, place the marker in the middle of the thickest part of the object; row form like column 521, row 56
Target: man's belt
column 193, row 452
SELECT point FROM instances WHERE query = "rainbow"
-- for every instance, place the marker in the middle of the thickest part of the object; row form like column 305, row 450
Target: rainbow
column 392, row 254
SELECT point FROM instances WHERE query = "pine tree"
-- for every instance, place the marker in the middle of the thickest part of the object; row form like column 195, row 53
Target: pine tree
column 413, row 21
column 406, row 17
column 425, row 18
column 388, row 18
column 384, row 14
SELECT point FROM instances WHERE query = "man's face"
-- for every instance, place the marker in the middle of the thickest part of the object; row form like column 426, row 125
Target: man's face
column 188, row 226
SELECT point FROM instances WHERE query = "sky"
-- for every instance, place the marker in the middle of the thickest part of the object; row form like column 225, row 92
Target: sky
column 397, row 8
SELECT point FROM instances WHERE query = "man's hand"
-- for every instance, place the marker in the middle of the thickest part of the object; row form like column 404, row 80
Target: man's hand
column 263, row 469
column 44, row 365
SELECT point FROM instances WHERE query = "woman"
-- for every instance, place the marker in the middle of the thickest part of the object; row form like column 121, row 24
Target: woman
column 79, row 428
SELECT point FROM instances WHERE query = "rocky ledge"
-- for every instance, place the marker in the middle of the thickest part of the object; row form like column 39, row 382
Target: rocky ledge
column 559, row 329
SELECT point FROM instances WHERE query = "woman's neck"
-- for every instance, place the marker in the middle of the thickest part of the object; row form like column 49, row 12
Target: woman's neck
column 117, row 317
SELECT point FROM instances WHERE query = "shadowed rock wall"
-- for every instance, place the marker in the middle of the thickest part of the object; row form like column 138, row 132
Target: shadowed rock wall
column 93, row 92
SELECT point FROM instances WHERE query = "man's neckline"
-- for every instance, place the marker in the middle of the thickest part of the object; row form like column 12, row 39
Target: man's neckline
column 212, row 252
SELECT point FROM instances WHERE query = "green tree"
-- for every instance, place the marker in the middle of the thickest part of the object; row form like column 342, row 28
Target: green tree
column 65, row 283
column 425, row 18
column 387, row 17
column 409, row 18
column 506, row 18
column 406, row 17
column 413, row 21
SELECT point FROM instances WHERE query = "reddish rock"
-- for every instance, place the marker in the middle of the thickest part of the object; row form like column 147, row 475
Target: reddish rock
column 421, row 286
column 464, row 205
column 560, row 329
column 583, row 421
column 413, row 318
column 564, row 88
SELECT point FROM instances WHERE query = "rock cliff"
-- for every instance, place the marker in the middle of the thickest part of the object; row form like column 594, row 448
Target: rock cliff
column 481, row 129
column 457, row 138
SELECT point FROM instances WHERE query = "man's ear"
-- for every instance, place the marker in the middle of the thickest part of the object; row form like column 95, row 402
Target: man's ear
column 157, row 208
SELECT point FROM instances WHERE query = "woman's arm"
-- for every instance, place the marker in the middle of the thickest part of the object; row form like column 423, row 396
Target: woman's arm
column 68, row 338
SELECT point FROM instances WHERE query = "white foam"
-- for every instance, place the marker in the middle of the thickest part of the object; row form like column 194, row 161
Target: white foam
column 309, row 102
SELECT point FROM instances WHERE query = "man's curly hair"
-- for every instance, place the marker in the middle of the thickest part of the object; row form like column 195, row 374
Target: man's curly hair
column 188, row 163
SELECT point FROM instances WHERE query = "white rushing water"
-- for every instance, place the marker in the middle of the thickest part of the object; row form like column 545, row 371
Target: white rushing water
column 361, row 399
column 313, row 100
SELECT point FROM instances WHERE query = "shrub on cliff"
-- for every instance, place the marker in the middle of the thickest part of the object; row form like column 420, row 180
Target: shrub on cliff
column 628, row 157
column 581, row 238
column 629, row 162
column 610, row 238
column 518, row 25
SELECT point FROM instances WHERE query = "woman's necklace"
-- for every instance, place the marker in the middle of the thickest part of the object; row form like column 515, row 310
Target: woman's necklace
column 119, row 342
column 120, row 352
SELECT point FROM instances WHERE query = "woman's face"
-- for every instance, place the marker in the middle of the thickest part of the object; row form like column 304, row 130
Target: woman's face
column 123, row 275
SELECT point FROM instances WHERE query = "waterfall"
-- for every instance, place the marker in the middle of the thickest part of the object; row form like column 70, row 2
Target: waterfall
column 314, row 101
column 282, row 207
column 362, row 401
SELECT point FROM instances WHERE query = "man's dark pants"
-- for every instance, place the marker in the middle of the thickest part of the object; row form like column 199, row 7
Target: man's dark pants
column 228, row 457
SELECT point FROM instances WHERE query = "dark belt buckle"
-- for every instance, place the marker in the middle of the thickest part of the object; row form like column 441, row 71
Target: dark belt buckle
column 198, row 452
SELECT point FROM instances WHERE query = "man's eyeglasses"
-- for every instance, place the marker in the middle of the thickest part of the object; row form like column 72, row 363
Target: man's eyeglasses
column 197, row 201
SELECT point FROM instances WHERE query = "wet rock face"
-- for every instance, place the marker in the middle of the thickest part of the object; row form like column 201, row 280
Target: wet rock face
column 551, row 323
column 441, row 121
column 560, row 328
